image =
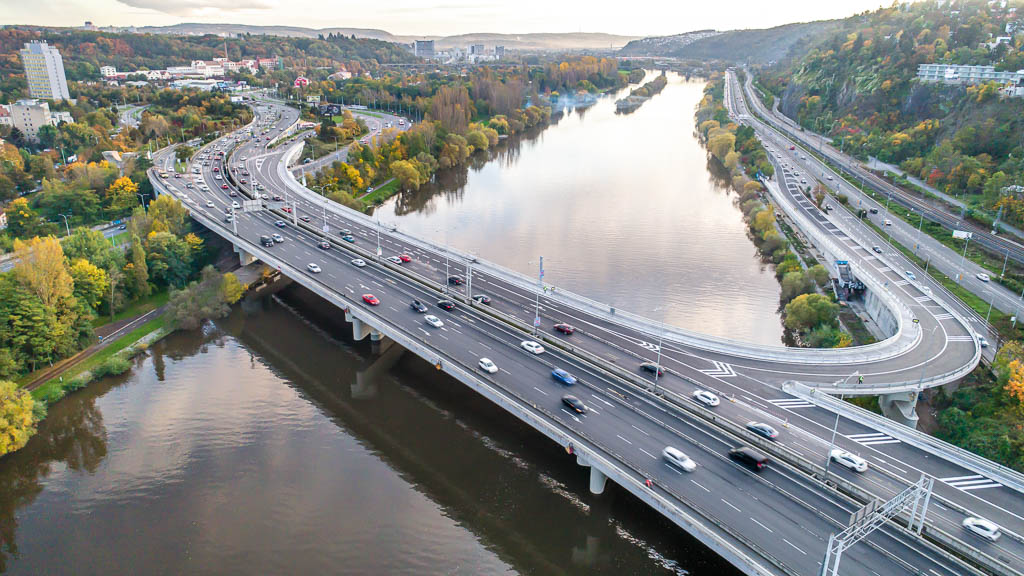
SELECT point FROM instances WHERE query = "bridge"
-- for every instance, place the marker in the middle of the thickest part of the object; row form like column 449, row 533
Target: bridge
column 776, row 522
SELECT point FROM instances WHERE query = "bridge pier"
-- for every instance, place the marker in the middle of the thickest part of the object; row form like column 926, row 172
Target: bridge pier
column 244, row 258
column 367, row 378
column 597, row 478
column 900, row 407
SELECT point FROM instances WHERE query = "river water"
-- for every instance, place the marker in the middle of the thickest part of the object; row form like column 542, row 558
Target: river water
column 624, row 209
column 268, row 444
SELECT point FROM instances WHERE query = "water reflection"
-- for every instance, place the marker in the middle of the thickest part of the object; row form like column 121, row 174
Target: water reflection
column 268, row 444
column 622, row 207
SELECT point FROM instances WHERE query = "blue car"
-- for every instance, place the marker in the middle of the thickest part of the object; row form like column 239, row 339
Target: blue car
column 563, row 376
column 348, row 238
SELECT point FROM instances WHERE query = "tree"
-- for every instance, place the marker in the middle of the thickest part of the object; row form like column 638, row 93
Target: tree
column 121, row 195
column 477, row 139
column 90, row 282
column 231, row 289
column 199, row 301
column 168, row 259
column 168, row 215
column 807, row 311
column 92, row 246
column 406, row 173
column 22, row 221
column 138, row 270
column 183, row 153
column 17, row 423
column 40, row 267
column 795, row 284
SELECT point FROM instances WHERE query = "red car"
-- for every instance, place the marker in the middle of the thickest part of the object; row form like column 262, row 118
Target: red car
column 223, row 186
column 405, row 258
column 371, row 299
column 287, row 209
column 565, row 328
column 215, row 169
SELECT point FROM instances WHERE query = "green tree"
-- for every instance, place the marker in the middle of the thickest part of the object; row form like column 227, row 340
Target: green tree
column 810, row 310
column 138, row 270
column 168, row 215
column 169, row 259
column 90, row 282
column 231, row 289
column 406, row 173
column 121, row 196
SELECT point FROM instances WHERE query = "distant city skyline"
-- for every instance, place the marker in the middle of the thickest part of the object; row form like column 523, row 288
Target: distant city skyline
column 442, row 18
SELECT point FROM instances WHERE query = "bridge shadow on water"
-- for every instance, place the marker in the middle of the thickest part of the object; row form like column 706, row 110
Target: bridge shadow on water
column 523, row 496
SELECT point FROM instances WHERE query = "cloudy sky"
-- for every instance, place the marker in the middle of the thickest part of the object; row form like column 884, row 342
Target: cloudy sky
column 440, row 17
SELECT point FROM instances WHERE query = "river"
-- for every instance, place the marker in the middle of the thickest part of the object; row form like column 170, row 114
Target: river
column 624, row 209
column 268, row 444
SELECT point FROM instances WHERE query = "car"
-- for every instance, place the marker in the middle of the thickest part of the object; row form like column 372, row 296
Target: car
column 848, row 459
column 887, row 222
column 313, row 268
column 358, row 262
column 277, row 238
column 486, row 365
column 873, row 210
column 563, row 377
column 433, row 321
column 323, row 245
column 482, row 299
column 235, row 205
column 223, row 186
column 188, row 185
column 287, row 209
column 233, row 194
column 876, row 249
column 216, row 169
column 371, row 299
column 304, row 218
column 985, row 528
column 763, row 429
column 344, row 232
column 750, row 457
column 574, row 404
column 982, row 276
column 455, row 280
column 229, row 218
column 405, row 258
column 210, row 204
column 982, row 341
column 911, row 275
column 828, row 177
column 279, row 223
column 676, row 458
column 531, row 346
column 277, row 198
column 267, row 241
column 706, row 398
column 418, row 306
column 446, row 304
column 394, row 259
column 565, row 328
column 349, row 238
column 243, row 180
column 652, row 368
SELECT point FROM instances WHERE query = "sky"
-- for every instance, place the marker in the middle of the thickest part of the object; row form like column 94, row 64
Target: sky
column 441, row 17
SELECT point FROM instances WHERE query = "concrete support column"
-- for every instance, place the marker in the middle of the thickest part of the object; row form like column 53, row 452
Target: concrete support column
column 359, row 329
column 597, row 481
column 375, row 336
column 244, row 258
column 900, row 407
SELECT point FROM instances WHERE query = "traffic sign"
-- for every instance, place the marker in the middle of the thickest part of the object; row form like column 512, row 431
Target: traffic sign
column 536, row 322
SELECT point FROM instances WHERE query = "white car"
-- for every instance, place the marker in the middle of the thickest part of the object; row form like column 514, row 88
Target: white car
column 433, row 321
column 532, row 347
column 313, row 268
column 911, row 275
column 705, row 397
column 358, row 263
column 982, row 276
column 235, row 205
column 209, row 204
column 394, row 259
column 487, row 366
column 984, row 528
column 851, row 461
column 982, row 341
column 678, row 459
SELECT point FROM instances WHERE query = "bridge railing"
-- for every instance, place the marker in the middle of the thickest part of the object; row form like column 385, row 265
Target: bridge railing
column 873, row 352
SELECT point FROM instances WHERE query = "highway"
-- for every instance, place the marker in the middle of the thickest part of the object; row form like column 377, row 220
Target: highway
column 618, row 345
column 904, row 230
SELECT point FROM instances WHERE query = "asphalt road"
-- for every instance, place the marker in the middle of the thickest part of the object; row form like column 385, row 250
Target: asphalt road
column 754, row 400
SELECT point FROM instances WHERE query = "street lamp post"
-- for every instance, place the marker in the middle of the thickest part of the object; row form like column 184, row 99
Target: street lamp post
column 835, row 428
column 142, row 199
column 66, row 226
column 657, row 362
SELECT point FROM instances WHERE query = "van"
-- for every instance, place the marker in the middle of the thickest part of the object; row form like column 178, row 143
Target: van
column 267, row 241
column 749, row 457
column 888, row 222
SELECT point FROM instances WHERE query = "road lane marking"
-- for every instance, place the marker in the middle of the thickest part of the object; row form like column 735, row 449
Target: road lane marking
column 596, row 397
column 730, row 505
column 699, row 486
column 794, row 547
column 648, row 453
column 624, row 440
column 541, row 391
column 754, row 520
column 639, row 430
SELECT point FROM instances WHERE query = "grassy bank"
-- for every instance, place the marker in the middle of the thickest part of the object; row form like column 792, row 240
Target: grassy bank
column 134, row 309
column 113, row 359
column 380, row 194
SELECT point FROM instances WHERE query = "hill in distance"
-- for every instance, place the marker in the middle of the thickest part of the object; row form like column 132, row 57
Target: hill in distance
column 534, row 41
column 754, row 46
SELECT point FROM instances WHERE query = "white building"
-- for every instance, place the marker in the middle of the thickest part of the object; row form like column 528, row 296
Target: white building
column 5, row 116
column 956, row 74
column 30, row 115
column 44, row 70
column 108, row 71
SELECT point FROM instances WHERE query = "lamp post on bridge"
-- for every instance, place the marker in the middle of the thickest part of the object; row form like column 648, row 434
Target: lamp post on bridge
column 661, row 338
column 835, row 427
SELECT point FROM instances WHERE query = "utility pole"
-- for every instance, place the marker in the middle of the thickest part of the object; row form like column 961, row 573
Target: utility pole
column 540, row 288
column 66, row 226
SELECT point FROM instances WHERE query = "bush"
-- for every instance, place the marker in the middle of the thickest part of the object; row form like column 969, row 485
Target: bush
column 17, row 417
column 113, row 366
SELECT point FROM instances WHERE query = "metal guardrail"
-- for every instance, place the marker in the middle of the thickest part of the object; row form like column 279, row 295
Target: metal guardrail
column 872, row 352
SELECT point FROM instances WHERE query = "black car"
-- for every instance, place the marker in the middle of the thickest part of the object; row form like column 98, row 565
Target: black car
column 455, row 281
column 763, row 429
column 482, row 299
column 652, row 368
column 446, row 304
column 323, row 245
column 574, row 404
column 418, row 306
column 267, row 241
column 750, row 457
column 876, row 249
column 873, row 210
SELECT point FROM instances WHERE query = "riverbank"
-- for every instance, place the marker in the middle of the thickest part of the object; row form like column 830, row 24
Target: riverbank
column 638, row 96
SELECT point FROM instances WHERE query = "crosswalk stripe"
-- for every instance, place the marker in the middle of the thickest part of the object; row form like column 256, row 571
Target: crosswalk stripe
column 943, row 316
column 981, row 486
column 922, row 298
column 872, row 438
column 959, row 338
column 792, row 403
column 971, row 482
column 901, row 282
column 956, row 478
